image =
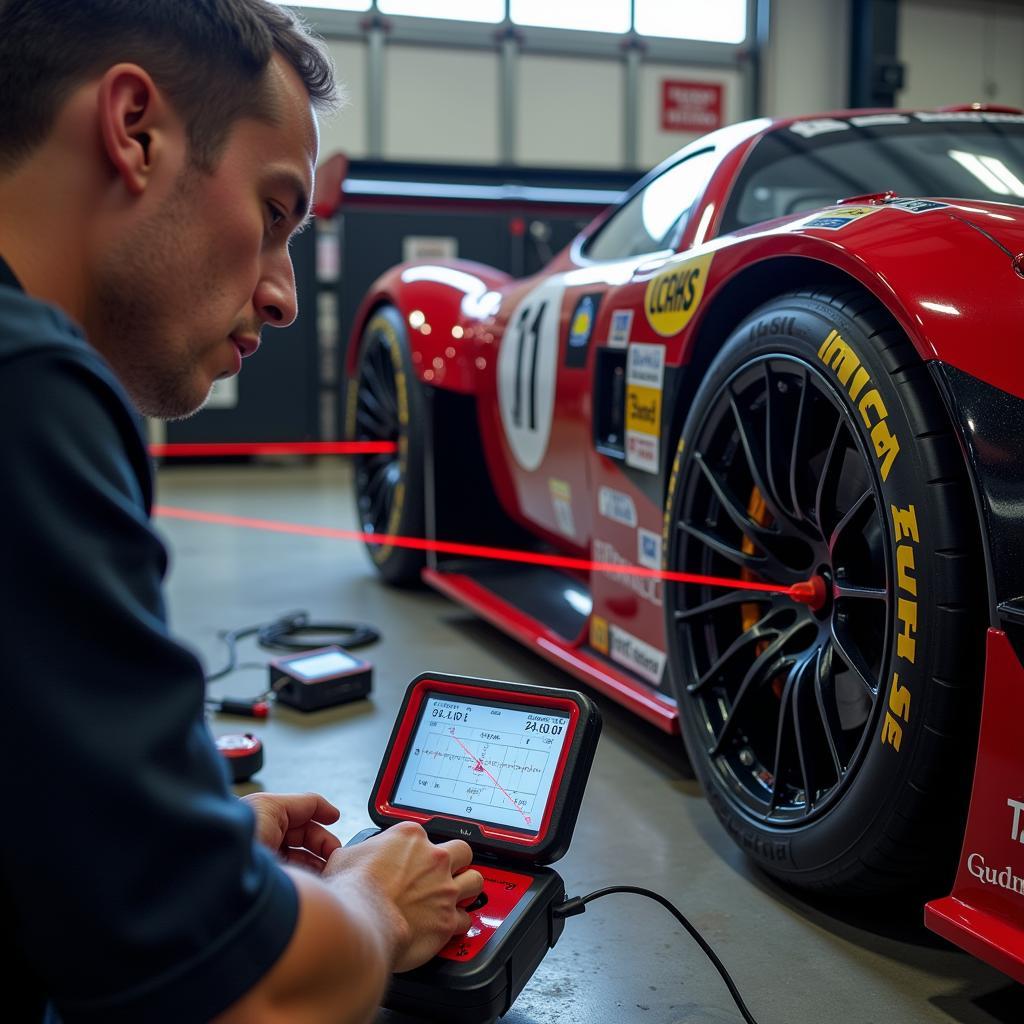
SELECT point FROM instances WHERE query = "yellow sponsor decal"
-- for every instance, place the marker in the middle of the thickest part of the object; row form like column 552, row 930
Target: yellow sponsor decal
column 643, row 409
column 839, row 357
column 673, row 296
column 560, row 490
column 906, row 536
column 599, row 633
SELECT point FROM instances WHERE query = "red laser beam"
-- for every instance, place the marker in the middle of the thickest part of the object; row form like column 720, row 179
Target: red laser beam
column 805, row 592
column 274, row 448
column 483, row 768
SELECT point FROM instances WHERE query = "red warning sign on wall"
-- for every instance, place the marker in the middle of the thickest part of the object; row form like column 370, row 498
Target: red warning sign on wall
column 690, row 106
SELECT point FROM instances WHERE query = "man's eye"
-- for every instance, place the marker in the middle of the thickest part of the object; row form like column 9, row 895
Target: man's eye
column 275, row 215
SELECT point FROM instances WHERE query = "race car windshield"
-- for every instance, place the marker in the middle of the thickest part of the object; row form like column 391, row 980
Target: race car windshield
column 810, row 164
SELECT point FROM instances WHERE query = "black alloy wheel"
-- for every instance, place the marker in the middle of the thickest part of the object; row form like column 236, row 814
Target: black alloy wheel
column 388, row 406
column 817, row 449
column 786, row 701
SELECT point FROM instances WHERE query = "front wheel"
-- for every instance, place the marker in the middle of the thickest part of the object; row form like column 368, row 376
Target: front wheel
column 389, row 406
column 835, row 744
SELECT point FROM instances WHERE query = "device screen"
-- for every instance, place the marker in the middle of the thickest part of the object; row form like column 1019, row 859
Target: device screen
column 489, row 762
column 319, row 665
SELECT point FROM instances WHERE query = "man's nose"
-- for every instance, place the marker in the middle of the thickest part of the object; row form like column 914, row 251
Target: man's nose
column 275, row 299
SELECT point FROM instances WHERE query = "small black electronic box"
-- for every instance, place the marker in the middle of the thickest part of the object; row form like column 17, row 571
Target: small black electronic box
column 320, row 678
column 502, row 766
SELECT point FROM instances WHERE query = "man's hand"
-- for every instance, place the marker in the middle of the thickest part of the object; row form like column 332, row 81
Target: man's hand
column 421, row 881
column 292, row 825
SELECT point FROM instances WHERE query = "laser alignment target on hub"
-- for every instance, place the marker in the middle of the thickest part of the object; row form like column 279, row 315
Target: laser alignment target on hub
column 486, row 762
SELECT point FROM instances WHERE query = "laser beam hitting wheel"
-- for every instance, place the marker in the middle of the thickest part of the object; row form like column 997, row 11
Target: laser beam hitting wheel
column 388, row 406
column 835, row 744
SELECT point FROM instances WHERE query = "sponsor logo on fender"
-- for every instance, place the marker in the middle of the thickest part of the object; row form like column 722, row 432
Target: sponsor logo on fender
column 645, row 375
column 561, row 500
column 674, row 295
column 621, row 328
column 1004, row 878
column 1016, row 831
column 616, row 506
column 599, row 633
column 647, row 587
column 839, row 357
column 636, row 654
column 648, row 548
column 906, row 536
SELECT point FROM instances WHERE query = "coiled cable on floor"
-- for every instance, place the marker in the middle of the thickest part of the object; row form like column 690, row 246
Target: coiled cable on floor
column 289, row 632
column 578, row 904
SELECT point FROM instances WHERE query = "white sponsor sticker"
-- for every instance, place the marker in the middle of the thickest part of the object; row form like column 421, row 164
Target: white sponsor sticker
column 561, row 499
column 527, row 367
column 645, row 374
column 648, row 548
column 818, row 126
column 636, row 654
column 642, row 452
column 645, row 365
column 621, row 328
column 616, row 506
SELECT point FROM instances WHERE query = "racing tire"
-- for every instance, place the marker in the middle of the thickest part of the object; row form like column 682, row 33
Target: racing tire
column 388, row 405
column 835, row 745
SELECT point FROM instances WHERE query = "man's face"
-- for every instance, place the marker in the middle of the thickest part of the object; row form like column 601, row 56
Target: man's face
column 181, row 296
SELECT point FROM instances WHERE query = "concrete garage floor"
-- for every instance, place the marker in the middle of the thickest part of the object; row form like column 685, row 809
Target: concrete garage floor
column 643, row 821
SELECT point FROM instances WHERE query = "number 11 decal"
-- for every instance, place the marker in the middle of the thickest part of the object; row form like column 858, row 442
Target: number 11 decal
column 527, row 367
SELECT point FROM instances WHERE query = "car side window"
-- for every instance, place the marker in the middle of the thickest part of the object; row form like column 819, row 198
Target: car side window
column 650, row 220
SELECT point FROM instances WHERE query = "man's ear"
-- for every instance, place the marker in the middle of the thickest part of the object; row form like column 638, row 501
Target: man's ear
column 135, row 122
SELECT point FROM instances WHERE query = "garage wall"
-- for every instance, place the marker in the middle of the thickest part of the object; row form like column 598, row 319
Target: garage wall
column 440, row 104
column 962, row 52
column 584, row 127
column 347, row 129
column 806, row 65
column 443, row 103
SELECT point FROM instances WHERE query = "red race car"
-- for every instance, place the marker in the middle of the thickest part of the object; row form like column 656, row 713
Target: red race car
column 792, row 355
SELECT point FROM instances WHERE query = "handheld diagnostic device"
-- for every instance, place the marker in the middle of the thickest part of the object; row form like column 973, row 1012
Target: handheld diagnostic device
column 320, row 678
column 502, row 766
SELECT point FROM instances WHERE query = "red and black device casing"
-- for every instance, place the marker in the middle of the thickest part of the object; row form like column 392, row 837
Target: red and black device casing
column 473, row 981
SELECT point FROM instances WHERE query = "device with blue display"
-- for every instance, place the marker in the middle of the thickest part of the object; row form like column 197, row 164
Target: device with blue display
column 502, row 766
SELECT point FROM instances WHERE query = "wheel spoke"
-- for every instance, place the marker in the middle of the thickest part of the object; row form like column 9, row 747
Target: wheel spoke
column 765, row 564
column 827, row 470
column 842, row 591
column 800, row 692
column 828, row 714
column 371, row 424
column 854, row 662
column 729, row 600
column 794, row 455
column 857, row 509
column 765, row 666
column 733, row 509
column 762, row 630
column 778, row 766
column 757, row 470
column 379, row 375
column 774, row 439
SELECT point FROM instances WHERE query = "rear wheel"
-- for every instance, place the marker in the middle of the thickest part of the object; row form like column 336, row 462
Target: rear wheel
column 389, row 406
column 836, row 745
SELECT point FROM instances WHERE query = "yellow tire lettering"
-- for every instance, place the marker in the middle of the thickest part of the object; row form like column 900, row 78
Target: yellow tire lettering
column 836, row 353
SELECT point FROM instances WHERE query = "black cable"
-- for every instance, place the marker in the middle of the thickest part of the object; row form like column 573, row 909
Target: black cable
column 577, row 905
column 284, row 634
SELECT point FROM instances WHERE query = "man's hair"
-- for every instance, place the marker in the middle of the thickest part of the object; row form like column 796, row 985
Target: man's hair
column 210, row 58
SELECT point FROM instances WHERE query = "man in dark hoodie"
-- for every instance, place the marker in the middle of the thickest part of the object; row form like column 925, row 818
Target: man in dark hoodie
column 155, row 158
